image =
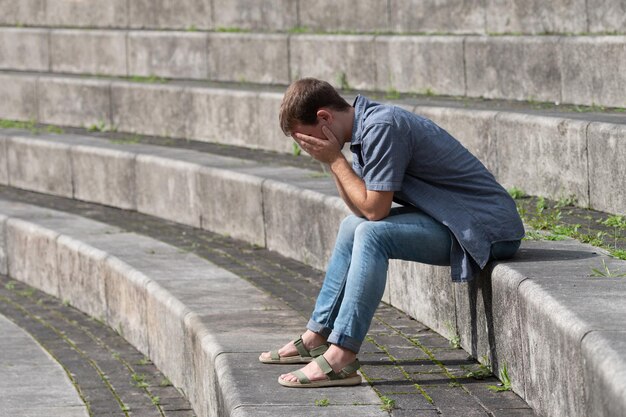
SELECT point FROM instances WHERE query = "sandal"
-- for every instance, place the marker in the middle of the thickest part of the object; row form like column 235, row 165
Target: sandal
column 346, row 377
column 304, row 355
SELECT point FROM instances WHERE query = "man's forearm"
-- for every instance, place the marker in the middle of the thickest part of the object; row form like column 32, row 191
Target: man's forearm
column 372, row 205
column 345, row 197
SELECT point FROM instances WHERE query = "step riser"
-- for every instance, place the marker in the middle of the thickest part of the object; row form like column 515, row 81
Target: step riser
column 470, row 16
column 579, row 70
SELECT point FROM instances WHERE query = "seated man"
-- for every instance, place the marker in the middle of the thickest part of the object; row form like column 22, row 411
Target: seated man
column 453, row 212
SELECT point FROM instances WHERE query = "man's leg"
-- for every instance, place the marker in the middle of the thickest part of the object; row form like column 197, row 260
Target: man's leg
column 330, row 296
column 331, row 293
column 405, row 234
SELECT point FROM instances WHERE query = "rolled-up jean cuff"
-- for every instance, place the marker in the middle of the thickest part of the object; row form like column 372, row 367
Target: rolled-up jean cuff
column 315, row 327
column 345, row 341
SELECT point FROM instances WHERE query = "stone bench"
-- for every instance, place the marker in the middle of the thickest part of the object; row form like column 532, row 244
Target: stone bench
column 537, row 314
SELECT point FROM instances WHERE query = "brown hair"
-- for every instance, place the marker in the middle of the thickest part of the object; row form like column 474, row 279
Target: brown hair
column 304, row 98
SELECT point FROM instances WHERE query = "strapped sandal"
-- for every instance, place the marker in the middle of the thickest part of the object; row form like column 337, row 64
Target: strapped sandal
column 346, row 377
column 304, row 355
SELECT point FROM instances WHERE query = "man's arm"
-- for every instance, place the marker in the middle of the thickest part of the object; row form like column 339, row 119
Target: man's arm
column 373, row 205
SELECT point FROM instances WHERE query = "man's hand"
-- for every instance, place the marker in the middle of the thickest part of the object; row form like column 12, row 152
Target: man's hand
column 324, row 150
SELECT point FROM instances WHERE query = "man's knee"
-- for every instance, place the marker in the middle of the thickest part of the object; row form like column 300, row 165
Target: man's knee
column 370, row 231
column 350, row 223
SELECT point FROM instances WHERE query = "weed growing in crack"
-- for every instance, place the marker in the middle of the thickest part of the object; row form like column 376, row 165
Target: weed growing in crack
column 505, row 384
column 606, row 272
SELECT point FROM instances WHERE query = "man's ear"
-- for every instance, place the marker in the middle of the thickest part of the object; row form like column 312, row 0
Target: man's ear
column 324, row 114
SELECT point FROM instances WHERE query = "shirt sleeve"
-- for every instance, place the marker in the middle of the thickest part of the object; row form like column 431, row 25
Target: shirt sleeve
column 386, row 155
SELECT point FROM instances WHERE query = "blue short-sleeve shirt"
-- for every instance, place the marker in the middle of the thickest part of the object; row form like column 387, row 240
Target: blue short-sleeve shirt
column 396, row 150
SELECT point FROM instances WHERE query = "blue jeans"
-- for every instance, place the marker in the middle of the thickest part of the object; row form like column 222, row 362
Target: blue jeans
column 357, row 271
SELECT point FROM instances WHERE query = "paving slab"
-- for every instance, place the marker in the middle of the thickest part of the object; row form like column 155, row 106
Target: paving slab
column 42, row 386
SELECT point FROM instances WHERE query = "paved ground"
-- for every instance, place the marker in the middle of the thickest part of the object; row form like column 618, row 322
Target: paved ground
column 110, row 376
column 414, row 368
column 33, row 383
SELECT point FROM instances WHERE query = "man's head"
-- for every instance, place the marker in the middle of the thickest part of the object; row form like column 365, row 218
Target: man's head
column 307, row 102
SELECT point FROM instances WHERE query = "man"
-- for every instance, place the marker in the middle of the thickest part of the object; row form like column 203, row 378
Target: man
column 453, row 212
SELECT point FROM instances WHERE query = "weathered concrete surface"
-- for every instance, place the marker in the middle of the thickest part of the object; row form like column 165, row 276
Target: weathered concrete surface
column 594, row 70
column 423, row 291
column 167, row 188
column 32, row 255
column 543, row 156
column 536, row 16
column 74, row 102
column 238, row 211
column 345, row 61
column 88, row 52
column 4, row 162
column 273, row 137
column 40, row 166
column 344, row 15
column 104, row 176
column 607, row 170
column 276, row 15
column 168, row 107
column 519, row 68
column 475, row 129
column 606, row 15
column 434, row 16
column 255, row 58
column 80, row 271
column 26, row 12
column 288, row 211
column 19, row 97
column 172, row 14
column 33, row 383
column 3, row 246
column 224, row 116
column 109, row 14
column 431, row 64
column 24, row 49
column 167, row 54
column 604, row 373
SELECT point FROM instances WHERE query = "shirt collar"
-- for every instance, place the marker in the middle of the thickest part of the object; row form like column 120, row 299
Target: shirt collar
column 359, row 105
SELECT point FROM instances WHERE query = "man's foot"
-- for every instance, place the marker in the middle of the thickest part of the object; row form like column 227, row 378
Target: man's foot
column 310, row 341
column 336, row 356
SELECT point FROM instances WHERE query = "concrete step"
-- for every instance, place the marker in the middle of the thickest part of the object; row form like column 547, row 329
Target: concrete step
column 33, row 382
column 552, row 151
column 537, row 314
column 180, row 310
column 454, row 16
column 585, row 70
